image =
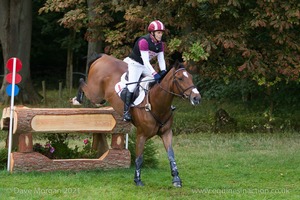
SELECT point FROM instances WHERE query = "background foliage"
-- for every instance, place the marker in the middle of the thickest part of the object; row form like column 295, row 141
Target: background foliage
column 239, row 49
column 229, row 38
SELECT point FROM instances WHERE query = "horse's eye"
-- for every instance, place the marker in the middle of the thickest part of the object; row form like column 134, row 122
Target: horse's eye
column 180, row 78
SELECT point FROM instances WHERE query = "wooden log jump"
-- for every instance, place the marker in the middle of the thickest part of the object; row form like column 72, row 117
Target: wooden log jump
column 65, row 120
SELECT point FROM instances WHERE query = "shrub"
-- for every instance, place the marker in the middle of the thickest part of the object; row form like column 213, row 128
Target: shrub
column 57, row 147
column 150, row 152
column 3, row 158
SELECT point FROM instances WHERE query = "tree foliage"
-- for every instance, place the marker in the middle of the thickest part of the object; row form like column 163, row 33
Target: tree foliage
column 224, row 39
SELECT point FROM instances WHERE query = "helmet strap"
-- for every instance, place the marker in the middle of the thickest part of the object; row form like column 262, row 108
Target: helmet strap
column 153, row 34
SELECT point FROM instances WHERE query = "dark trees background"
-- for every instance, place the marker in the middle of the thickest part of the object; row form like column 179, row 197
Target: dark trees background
column 237, row 49
column 15, row 38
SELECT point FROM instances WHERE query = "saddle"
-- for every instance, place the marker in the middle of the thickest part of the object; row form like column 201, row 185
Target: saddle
column 144, row 84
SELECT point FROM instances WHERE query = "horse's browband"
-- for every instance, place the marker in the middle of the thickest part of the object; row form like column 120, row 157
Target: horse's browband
column 179, row 70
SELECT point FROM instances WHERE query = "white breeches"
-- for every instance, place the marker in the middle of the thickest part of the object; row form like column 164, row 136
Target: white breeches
column 135, row 70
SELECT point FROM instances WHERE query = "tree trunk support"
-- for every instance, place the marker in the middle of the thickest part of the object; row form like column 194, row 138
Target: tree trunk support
column 99, row 121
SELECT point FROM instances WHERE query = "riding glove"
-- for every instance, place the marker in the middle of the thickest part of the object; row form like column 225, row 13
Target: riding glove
column 157, row 77
column 163, row 73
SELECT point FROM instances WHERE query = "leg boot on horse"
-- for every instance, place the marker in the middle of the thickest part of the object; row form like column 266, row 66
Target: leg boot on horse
column 127, row 115
column 174, row 171
column 137, row 174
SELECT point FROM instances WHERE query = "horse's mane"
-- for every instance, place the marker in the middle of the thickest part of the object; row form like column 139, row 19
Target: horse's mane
column 179, row 65
column 176, row 65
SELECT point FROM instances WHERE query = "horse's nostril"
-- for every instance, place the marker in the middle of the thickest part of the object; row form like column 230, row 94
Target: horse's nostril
column 197, row 99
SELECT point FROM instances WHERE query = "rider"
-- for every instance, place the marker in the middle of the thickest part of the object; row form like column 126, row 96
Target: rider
column 145, row 48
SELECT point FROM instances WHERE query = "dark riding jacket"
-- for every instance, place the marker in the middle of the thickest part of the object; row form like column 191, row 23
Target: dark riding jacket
column 154, row 48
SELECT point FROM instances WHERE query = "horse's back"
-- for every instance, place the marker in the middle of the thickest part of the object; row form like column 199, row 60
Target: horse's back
column 104, row 74
column 107, row 65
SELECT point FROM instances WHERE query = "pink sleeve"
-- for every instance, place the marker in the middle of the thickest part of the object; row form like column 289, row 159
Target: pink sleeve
column 143, row 45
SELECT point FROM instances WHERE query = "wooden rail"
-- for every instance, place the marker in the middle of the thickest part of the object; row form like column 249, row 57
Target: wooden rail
column 65, row 120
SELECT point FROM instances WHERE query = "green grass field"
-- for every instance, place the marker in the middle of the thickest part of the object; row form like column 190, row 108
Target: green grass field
column 212, row 166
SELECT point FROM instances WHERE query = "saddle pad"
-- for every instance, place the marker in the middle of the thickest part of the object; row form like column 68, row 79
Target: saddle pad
column 143, row 85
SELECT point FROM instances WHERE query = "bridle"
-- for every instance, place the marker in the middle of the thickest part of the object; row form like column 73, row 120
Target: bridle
column 182, row 91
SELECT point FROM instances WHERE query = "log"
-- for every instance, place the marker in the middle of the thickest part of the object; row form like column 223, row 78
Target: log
column 64, row 120
column 25, row 143
column 28, row 162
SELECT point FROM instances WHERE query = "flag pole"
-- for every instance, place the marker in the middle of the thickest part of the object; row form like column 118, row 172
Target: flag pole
column 11, row 115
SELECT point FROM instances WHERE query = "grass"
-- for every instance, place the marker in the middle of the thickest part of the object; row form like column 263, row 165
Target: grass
column 212, row 166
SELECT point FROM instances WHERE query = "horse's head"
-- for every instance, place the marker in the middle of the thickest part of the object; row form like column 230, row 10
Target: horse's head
column 182, row 84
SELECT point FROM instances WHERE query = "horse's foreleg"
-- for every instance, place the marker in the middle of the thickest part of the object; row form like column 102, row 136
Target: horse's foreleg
column 174, row 171
column 167, row 139
column 140, row 144
column 137, row 173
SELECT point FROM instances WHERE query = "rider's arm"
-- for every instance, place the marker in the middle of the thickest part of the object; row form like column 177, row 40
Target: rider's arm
column 146, row 61
column 161, row 60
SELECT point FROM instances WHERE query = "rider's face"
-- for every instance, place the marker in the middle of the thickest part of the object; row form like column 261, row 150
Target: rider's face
column 158, row 35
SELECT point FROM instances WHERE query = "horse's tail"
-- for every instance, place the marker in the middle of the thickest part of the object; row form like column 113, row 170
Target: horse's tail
column 93, row 57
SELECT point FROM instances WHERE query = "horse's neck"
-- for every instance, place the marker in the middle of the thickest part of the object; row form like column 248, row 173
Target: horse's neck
column 161, row 96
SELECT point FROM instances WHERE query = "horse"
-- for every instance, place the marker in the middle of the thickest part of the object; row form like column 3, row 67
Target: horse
column 154, row 116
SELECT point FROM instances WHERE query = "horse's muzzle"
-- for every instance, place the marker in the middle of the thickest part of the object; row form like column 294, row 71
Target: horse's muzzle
column 195, row 97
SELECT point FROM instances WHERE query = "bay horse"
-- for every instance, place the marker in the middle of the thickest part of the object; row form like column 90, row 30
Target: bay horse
column 105, row 72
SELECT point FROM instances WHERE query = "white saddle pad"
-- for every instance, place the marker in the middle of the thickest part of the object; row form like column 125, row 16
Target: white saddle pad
column 144, row 85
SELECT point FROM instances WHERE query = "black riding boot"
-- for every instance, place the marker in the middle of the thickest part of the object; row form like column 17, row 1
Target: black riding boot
column 127, row 115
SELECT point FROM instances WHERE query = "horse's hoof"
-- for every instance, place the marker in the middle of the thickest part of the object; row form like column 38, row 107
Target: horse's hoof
column 177, row 184
column 139, row 183
column 74, row 102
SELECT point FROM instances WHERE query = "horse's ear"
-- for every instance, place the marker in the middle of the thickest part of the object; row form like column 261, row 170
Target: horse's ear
column 175, row 57
column 178, row 65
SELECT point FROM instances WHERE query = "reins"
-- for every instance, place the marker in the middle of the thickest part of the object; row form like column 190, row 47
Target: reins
column 175, row 81
column 182, row 94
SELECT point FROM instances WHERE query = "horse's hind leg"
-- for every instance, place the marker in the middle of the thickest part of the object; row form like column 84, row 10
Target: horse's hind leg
column 167, row 139
column 78, row 99
column 80, row 93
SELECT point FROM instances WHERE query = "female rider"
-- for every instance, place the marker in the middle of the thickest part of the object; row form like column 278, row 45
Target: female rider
column 145, row 48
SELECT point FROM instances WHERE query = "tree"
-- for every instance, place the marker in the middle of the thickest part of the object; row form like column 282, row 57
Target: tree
column 75, row 18
column 90, row 15
column 15, row 38
column 225, row 39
